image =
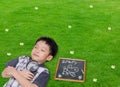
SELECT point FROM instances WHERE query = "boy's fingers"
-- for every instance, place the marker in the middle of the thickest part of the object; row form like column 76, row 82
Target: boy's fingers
column 31, row 74
column 30, row 77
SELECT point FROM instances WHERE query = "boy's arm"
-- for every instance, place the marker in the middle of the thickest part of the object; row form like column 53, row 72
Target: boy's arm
column 4, row 73
column 25, row 73
column 10, row 63
column 12, row 72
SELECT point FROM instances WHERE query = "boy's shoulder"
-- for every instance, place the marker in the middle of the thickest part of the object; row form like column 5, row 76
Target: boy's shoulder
column 23, row 60
column 23, row 56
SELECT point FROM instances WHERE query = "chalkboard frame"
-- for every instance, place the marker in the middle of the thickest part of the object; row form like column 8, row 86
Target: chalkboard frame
column 66, row 79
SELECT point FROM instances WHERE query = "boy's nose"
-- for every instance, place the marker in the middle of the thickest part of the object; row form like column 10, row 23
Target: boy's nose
column 37, row 51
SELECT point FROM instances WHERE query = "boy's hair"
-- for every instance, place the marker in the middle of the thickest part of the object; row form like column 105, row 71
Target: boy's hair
column 51, row 43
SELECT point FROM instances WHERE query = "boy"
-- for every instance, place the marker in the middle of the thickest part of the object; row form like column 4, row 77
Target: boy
column 29, row 71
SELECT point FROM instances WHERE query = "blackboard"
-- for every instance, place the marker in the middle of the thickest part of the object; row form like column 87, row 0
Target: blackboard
column 70, row 70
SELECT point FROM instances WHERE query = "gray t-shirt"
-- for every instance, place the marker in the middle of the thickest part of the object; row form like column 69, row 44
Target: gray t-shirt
column 41, row 75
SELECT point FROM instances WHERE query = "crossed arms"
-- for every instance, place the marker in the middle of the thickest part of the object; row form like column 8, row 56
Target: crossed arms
column 23, row 77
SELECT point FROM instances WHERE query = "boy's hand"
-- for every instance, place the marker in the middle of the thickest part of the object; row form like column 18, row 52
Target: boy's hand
column 27, row 74
column 10, row 71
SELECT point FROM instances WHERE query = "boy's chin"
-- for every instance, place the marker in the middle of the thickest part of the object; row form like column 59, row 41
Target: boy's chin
column 34, row 59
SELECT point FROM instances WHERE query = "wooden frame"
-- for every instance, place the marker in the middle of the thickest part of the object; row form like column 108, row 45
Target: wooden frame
column 70, row 70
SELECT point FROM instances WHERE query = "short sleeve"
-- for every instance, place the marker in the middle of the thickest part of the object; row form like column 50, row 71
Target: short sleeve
column 42, row 79
column 12, row 63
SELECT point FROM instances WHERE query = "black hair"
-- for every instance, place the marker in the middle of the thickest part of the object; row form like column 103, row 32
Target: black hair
column 51, row 43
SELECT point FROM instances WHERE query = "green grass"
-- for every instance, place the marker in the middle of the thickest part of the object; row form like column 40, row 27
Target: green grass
column 89, row 37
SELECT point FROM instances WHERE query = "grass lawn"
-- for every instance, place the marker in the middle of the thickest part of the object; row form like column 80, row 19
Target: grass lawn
column 90, row 28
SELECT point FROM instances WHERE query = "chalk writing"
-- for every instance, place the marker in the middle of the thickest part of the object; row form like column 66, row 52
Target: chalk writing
column 69, row 61
column 70, row 70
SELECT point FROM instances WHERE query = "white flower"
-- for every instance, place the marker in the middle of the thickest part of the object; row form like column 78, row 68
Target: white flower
column 113, row 66
column 80, row 77
column 21, row 43
column 91, row 6
column 94, row 79
column 6, row 30
column 109, row 28
column 59, row 75
column 69, row 26
column 9, row 54
column 71, row 52
column 36, row 8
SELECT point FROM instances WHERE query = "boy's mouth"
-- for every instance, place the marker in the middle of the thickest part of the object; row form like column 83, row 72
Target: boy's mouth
column 36, row 55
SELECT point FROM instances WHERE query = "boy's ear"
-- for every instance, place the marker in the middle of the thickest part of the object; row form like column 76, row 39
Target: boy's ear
column 49, row 57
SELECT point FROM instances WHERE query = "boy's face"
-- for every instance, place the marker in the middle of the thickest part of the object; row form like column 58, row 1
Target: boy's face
column 41, row 52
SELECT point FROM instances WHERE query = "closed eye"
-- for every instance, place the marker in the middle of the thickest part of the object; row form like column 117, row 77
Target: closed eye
column 43, row 50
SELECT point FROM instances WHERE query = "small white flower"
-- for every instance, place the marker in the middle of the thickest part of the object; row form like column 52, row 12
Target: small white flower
column 80, row 77
column 6, row 30
column 59, row 75
column 91, row 6
column 113, row 66
column 69, row 26
column 36, row 8
column 109, row 28
column 21, row 43
column 94, row 79
column 9, row 54
column 71, row 52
